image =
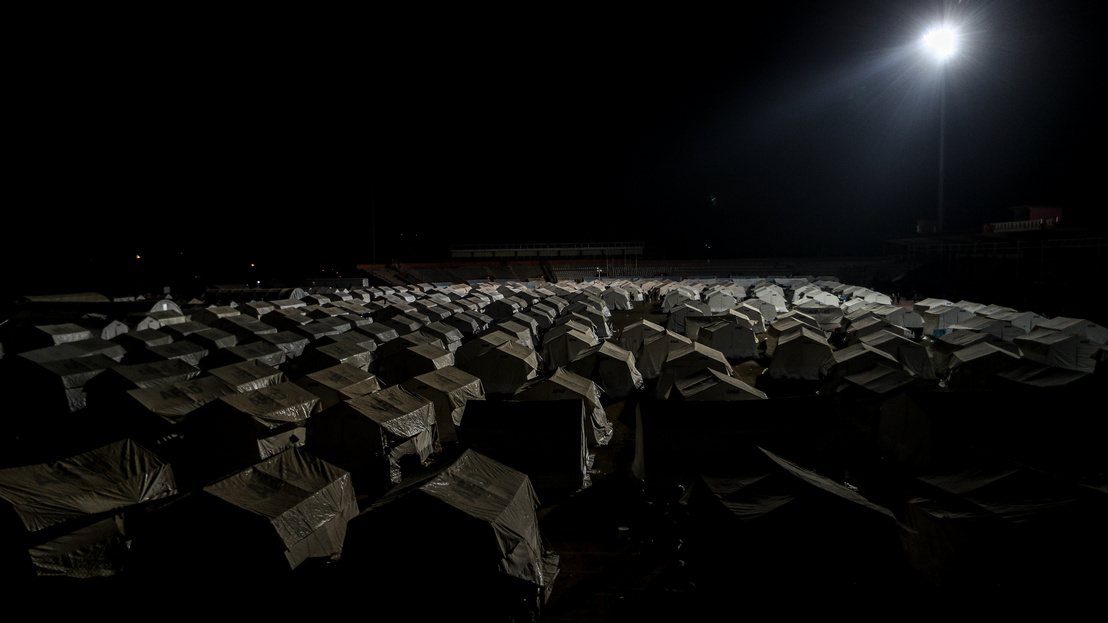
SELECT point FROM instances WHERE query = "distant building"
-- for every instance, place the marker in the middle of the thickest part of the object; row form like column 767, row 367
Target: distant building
column 1027, row 218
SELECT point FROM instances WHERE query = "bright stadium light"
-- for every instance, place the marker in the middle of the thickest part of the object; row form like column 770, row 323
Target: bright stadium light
column 942, row 41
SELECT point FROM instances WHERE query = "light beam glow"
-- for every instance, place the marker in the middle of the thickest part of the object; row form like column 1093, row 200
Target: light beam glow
column 942, row 41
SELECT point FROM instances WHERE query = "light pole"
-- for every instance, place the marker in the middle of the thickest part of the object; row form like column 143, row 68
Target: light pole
column 943, row 43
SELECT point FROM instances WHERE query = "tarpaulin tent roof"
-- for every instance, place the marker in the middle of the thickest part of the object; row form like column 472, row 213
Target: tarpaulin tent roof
column 617, row 298
column 316, row 329
column 912, row 355
column 142, row 339
column 981, row 523
column 407, row 341
column 248, row 375
column 800, row 355
column 339, row 382
column 519, row 332
column 505, row 368
column 688, row 359
column 111, row 385
column 790, row 322
column 451, row 390
column 720, row 299
column 503, row 308
column 713, row 385
column 975, row 365
column 209, row 315
column 1040, row 375
column 574, row 322
column 765, row 309
column 817, row 297
column 212, row 339
column 540, row 315
column 244, row 327
column 300, row 499
column 480, row 345
column 168, row 317
column 450, row 336
column 467, row 323
column 1084, row 328
column 71, row 510
column 937, row 319
column 405, row 323
column 1025, row 321
column 286, row 319
column 655, row 349
column 929, row 303
column 379, row 332
column 732, row 335
column 863, row 326
column 678, row 295
column 611, row 366
column 61, row 333
column 413, row 361
column 772, row 294
column 1000, row 328
column 1054, row 348
column 854, row 359
column 174, row 402
column 829, row 316
column 241, row 429
column 322, row 355
column 188, row 352
column 590, row 300
column 633, row 335
column 559, row 348
column 531, row 323
column 74, row 350
column 944, row 348
column 747, row 314
column 676, row 320
column 254, row 351
column 778, row 517
column 459, row 539
column 565, row 385
column 880, row 380
column 376, row 436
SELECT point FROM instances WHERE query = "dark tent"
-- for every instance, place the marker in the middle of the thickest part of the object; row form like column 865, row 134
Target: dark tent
column 544, row 439
column 262, row 521
column 68, row 517
column 462, row 539
column 379, row 437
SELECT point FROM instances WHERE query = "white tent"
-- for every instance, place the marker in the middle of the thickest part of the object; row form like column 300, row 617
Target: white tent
column 610, row 366
column 449, row 389
column 1054, row 348
column 1084, row 328
column 733, row 336
column 800, row 355
column 505, row 368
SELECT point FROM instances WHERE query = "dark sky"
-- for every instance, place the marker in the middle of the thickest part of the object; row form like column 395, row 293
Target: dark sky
column 329, row 139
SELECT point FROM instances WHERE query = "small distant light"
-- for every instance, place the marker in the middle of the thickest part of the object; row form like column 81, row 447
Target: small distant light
column 138, row 257
column 251, row 265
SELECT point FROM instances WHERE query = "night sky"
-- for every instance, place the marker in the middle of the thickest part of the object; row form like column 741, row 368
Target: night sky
column 805, row 128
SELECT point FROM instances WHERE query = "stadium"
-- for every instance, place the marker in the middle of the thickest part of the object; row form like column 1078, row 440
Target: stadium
column 625, row 320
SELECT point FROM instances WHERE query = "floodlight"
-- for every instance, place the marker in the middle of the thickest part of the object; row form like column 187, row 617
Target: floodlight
column 942, row 42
